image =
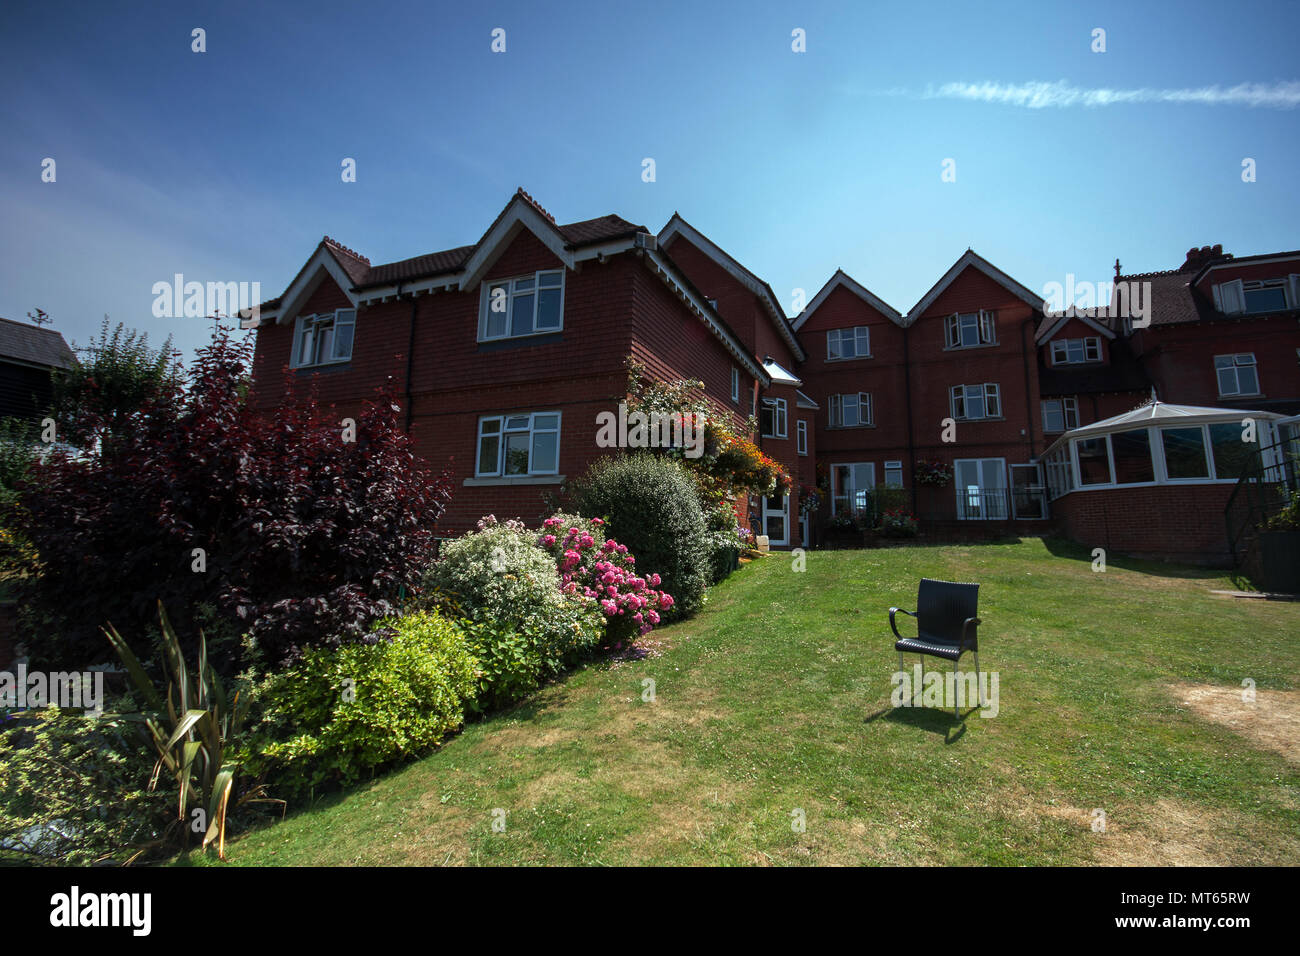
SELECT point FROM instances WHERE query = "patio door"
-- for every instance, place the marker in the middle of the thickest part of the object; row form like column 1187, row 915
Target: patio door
column 776, row 519
column 981, row 489
column 1028, row 496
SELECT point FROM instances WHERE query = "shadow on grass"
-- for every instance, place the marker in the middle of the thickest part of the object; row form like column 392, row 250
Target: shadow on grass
column 1073, row 551
column 930, row 719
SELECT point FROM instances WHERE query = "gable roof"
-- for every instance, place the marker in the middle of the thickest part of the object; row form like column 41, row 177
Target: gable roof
column 463, row 264
column 843, row 279
column 1053, row 322
column 970, row 258
column 32, row 345
column 677, row 226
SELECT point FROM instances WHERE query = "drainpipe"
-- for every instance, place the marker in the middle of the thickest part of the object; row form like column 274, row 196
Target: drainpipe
column 410, row 358
column 907, row 393
column 1029, row 397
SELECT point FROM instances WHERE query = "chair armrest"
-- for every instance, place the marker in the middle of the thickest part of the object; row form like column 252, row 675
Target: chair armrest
column 969, row 636
column 892, row 625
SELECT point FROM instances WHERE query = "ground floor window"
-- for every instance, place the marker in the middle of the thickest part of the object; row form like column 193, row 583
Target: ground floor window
column 518, row 445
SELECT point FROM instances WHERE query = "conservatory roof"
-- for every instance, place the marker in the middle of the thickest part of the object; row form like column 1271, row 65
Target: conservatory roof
column 1161, row 413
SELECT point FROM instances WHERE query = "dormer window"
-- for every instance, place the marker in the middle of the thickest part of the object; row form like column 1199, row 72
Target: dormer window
column 323, row 339
column 967, row 330
column 1256, row 296
column 1268, row 295
column 1076, row 351
column 527, row 305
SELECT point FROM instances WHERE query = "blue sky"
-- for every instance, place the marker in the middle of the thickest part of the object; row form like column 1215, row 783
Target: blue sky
column 225, row 165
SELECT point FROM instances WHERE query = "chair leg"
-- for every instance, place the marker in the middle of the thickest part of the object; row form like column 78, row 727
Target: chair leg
column 955, row 677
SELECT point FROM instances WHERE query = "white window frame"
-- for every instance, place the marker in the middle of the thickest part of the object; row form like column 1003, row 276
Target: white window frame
column 984, row 326
column 306, row 329
column 960, row 397
column 510, row 285
column 801, row 436
column 858, row 338
column 779, row 418
column 532, row 431
column 1069, row 412
column 982, row 489
column 1088, row 350
column 1236, row 362
column 735, row 384
column 1259, row 285
column 861, row 400
column 894, row 466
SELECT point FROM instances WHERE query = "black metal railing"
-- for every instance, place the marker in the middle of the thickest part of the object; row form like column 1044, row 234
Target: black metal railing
column 983, row 504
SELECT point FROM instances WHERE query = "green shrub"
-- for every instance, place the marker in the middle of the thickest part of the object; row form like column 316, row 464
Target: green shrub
column 521, row 626
column 650, row 504
column 75, row 789
column 338, row 715
column 722, row 531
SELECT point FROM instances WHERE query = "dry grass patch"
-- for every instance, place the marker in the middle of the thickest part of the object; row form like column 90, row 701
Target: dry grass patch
column 1270, row 722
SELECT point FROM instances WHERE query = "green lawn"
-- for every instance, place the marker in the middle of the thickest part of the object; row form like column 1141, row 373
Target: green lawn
column 776, row 699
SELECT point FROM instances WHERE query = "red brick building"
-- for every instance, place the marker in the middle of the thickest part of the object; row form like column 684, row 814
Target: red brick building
column 505, row 351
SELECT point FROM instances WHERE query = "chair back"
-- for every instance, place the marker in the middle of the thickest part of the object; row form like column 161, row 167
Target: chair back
column 942, row 606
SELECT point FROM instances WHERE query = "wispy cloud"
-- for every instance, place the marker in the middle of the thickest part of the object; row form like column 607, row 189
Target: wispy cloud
column 1060, row 94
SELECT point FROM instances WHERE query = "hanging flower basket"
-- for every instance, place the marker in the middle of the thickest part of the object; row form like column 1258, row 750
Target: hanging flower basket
column 931, row 471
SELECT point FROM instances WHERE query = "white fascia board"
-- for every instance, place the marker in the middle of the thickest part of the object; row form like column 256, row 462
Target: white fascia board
column 842, row 278
column 972, row 258
column 678, row 226
column 707, row 316
column 321, row 263
column 1062, row 320
column 804, row 401
column 521, row 215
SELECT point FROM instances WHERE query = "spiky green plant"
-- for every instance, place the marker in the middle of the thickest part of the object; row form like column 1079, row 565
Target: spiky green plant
column 194, row 742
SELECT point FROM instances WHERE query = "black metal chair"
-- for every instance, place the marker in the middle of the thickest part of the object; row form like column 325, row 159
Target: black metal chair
column 946, row 625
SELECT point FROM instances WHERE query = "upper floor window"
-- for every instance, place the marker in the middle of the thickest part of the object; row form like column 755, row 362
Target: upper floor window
column 323, row 339
column 1060, row 414
column 1257, row 295
column 975, row 402
column 1237, row 374
column 848, row 411
column 529, row 305
column 1268, row 295
column 735, row 384
column 848, row 343
column 970, row 329
column 1076, row 351
column 774, row 421
column 518, row 445
column 801, row 434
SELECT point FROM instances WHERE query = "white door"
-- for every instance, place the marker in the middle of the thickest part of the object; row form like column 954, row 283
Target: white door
column 852, row 483
column 981, row 488
column 776, row 519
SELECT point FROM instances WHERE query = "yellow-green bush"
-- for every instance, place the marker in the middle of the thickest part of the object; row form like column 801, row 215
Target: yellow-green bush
column 339, row 715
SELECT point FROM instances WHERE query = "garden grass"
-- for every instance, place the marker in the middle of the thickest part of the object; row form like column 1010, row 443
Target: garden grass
column 1120, row 692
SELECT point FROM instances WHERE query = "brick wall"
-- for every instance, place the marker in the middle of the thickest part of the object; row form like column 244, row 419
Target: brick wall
column 1167, row 522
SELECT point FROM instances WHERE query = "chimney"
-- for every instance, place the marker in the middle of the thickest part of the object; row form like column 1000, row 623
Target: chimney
column 1199, row 257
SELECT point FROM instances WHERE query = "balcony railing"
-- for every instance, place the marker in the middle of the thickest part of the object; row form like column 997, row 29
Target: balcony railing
column 983, row 504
